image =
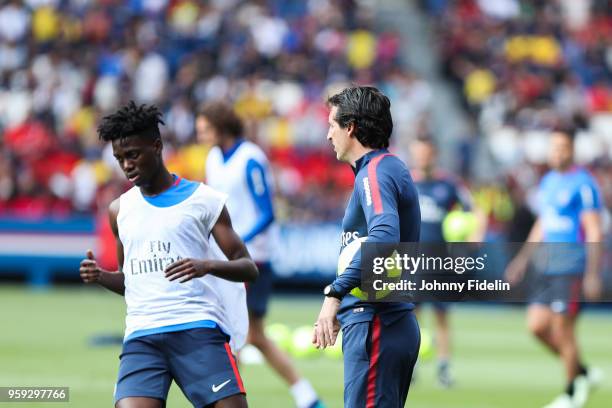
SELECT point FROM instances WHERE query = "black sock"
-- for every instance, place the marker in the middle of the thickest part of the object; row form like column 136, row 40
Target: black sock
column 570, row 389
column 582, row 370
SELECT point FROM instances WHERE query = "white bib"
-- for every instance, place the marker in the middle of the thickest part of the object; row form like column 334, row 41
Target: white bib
column 153, row 237
column 230, row 177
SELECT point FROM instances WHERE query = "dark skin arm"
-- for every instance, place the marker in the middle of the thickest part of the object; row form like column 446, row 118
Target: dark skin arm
column 238, row 268
column 91, row 272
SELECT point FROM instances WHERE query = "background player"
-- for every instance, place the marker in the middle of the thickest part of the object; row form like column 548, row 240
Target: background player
column 380, row 341
column 177, row 326
column 569, row 212
column 240, row 168
column 439, row 193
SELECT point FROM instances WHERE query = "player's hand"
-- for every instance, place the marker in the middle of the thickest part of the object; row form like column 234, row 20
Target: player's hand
column 516, row 270
column 89, row 270
column 327, row 326
column 186, row 269
column 591, row 286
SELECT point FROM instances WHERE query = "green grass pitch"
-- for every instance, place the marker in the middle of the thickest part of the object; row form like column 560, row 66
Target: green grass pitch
column 44, row 342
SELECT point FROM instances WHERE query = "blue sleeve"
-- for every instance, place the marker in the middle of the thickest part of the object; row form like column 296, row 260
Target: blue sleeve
column 261, row 196
column 379, row 195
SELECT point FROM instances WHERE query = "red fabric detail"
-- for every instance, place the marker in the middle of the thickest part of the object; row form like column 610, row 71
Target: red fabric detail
column 374, row 355
column 235, row 368
column 374, row 189
column 574, row 304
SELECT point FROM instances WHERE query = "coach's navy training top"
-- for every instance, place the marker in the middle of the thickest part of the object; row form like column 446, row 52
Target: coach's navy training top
column 384, row 207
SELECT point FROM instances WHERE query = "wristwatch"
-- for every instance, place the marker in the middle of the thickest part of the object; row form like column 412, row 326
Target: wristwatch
column 329, row 291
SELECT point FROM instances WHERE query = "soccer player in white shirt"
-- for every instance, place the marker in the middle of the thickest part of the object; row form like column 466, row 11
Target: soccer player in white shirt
column 240, row 169
column 186, row 306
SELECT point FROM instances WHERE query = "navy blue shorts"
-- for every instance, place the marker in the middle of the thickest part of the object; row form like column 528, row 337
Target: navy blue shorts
column 378, row 362
column 199, row 360
column 561, row 293
column 258, row 292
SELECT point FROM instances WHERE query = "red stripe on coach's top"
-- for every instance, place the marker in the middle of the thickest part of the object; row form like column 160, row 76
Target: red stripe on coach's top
column 235, row 368
column 374, row 189
column 374, row 355
column 575, row 291
column 177, row 181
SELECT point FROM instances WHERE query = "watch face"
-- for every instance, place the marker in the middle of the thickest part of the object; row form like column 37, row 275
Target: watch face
column 327, row 290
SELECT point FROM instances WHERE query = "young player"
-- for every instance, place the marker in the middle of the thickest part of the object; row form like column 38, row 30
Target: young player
column 240, row 169
column 438, row 194
column 569, row 213
column 380, row 340
column 178, row 322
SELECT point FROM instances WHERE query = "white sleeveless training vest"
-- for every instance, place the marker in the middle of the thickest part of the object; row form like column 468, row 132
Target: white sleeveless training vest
column 229, row 175
column 153, row 237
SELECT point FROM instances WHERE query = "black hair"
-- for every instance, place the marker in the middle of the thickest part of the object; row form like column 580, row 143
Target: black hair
column 368, row 110
column 131, row 120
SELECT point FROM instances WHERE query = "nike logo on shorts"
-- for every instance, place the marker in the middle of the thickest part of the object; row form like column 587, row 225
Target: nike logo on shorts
column 216, row 388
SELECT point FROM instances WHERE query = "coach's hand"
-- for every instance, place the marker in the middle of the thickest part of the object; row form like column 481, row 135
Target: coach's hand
column 89, row 270
column 186, row 269
column 327, row 326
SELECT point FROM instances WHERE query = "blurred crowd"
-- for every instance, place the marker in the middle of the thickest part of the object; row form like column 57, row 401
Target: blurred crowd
column 524, row 68
column 65, row 63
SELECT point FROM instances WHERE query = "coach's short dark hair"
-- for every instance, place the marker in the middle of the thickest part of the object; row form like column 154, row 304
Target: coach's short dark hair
column 222, row 117
column 131, row 120
column 369, row 110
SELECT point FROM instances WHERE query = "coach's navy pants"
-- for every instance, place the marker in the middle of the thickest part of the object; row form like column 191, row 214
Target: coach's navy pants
column 378, row 362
